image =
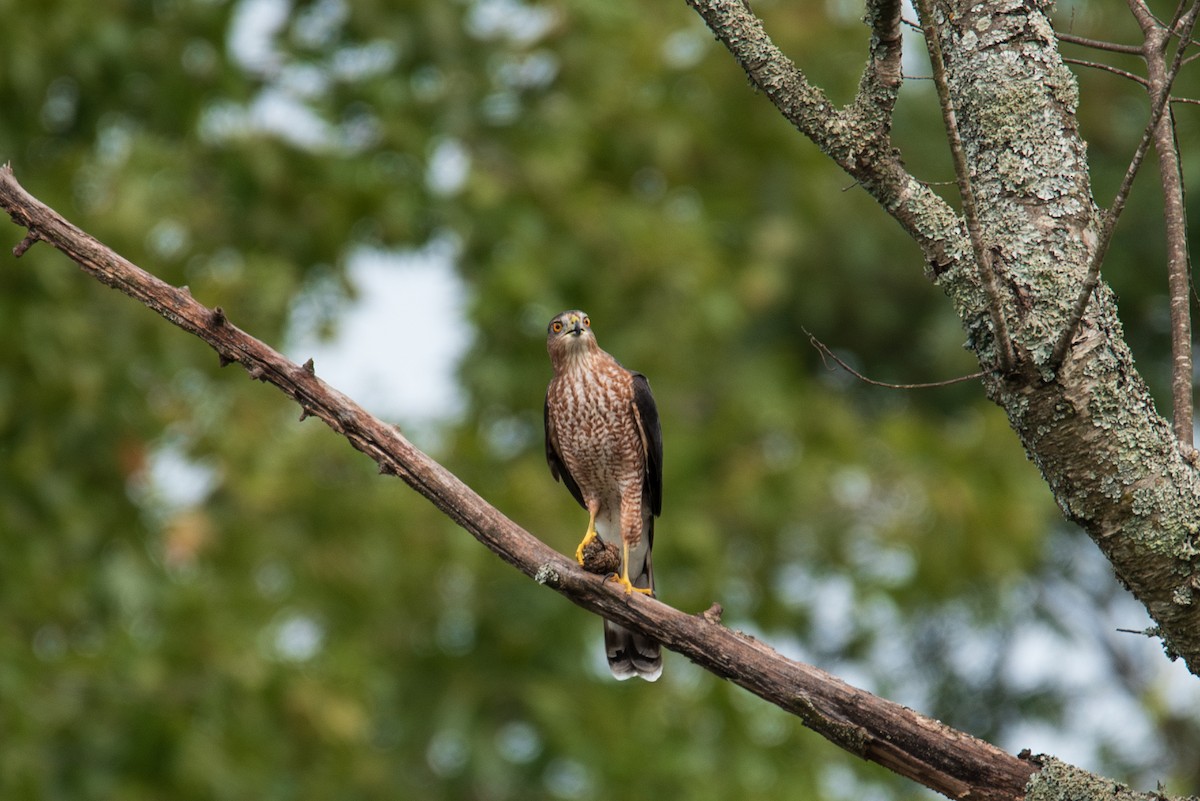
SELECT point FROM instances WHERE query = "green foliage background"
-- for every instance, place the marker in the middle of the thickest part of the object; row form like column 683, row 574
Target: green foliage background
column 309, row 629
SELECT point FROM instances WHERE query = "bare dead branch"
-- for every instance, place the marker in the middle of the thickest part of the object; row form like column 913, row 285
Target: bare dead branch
column 1158, row 107
column 925, row 750
column 983, row 254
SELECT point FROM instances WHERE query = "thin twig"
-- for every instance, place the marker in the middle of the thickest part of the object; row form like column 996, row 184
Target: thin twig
column 1097, row 44
column 1110, row 218
column 1098, row 65
column 1178, row 279
column 1139, row 5
column 825, row 352
column 983, row 256
column 1151, row 632
column 25, row 244
column 1175, row 218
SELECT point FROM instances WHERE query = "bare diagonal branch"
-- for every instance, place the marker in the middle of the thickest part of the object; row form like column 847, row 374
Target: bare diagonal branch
column 925, row 750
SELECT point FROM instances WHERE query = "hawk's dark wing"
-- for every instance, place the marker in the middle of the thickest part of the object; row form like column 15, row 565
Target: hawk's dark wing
column 558, row 468
column 647, row 413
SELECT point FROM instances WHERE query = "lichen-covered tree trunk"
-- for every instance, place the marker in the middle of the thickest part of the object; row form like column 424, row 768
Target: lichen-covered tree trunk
column 1090, row 424
column 1109, row 457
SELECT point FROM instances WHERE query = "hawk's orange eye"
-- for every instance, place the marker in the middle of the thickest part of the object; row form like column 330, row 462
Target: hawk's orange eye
column 556, row 327
column 587, row 322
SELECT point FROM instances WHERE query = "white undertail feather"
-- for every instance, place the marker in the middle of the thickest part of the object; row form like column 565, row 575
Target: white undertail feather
column 630, row 654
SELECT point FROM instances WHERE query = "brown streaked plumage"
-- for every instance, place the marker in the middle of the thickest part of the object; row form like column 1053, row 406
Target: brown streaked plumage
column 604, row 443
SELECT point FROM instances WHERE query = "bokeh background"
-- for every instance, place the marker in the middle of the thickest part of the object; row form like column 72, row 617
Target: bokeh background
column 202, row 598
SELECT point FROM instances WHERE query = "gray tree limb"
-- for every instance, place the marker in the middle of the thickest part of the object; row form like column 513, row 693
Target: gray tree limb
column 1089, row 424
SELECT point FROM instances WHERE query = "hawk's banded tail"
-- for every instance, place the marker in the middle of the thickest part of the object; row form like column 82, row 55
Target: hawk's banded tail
column 629, row 653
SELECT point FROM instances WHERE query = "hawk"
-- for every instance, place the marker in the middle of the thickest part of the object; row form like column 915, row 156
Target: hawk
column 604, row 443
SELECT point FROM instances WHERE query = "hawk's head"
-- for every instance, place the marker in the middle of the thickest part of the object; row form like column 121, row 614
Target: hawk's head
column 569, row 332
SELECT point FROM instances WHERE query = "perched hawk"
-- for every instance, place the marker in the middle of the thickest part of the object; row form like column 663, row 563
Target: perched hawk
column 604, row 443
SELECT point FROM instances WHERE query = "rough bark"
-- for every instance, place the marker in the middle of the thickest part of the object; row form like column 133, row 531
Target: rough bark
column 1091, row 427
column 1058, row 781
column 1111, row 460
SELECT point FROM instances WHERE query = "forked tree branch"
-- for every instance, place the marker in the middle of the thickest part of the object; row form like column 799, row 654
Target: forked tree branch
column 927, row 751
column 858, row 136
column 1085, row 415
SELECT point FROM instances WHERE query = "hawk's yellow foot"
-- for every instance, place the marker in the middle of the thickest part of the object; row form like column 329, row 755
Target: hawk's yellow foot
column 624, row 581
column 587, row 538
column 623, row 577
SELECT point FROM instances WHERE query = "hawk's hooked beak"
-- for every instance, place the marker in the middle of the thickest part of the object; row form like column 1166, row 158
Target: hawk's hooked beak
column 577, row 323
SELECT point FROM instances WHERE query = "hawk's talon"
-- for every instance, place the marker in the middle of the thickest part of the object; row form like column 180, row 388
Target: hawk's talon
column 587, row 540
column 628, row 585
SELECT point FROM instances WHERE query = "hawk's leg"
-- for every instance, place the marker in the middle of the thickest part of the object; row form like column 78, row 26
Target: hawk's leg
column 623, row 577
column 589, row 536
